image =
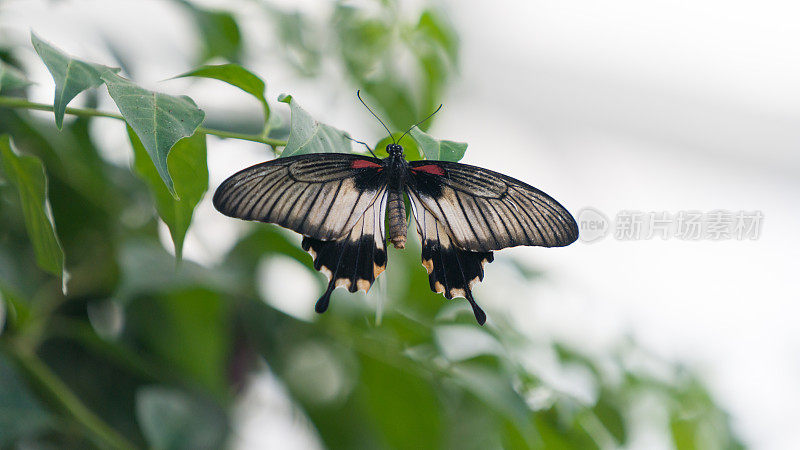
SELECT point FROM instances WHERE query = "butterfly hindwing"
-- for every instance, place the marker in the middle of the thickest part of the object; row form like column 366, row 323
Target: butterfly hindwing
column 451, row 270
column 484, row 210
column 355, row 260
column 317, row 195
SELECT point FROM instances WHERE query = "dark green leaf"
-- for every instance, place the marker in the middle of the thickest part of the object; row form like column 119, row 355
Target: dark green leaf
column 189, row 169
column 219, row 33
column 14, row 311
column 434, row 149
column 187, row 330
column 173, row 420
column 27, row 175
column 309, row 136
column 159, row 120
column 403, row 404
column 72, row 76
column 610, row 415
column 11, row 78
column 495, row 390
column 235, row 75
column 21, row 415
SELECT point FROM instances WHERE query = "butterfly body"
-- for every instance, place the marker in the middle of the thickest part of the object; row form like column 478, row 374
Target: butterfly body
column 396, row 169
column 343, row 204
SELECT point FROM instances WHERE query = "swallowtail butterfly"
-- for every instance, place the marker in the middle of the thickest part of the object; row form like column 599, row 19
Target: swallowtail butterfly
column 344, row 204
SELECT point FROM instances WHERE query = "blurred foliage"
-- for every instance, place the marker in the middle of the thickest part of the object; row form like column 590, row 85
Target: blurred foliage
column 144, row 352
column 402, row 63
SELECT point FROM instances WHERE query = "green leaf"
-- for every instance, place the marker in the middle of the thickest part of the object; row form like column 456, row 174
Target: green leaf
column 21, row 414
column 438, row 150
column 610, row 415
column 11, row 78
column 72, row 76
column 684, row 433
column 188, row 330
column 26, row 173
column 300, row 38
column 436, row 29
column 15, row 313
column 235, row 75
column 309, row 136
column 218, row 32
column 410, row 148
column 159, row 120
column 403, row 405
column 495, row 390
column 189, row 169
column 172, row 420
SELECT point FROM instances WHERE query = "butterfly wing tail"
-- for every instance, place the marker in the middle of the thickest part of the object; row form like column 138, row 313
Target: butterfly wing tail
column 452, row 271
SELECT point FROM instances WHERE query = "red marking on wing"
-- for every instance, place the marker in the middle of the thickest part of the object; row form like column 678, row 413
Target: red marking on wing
column 429, row 168
column 363, row 164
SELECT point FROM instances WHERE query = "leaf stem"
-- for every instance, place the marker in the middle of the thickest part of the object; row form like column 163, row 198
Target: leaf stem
column 14, row 102
column 57, row 391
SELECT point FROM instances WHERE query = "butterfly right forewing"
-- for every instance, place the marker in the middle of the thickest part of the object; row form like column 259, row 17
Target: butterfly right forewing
column 485, row 210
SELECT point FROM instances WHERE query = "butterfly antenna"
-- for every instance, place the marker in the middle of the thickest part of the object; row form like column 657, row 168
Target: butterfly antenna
column 420, row 122
column 358, row 93
column 362, row 143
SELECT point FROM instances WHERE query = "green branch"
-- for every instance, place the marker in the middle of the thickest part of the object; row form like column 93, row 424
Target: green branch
column 58, row 392
column 13, row 102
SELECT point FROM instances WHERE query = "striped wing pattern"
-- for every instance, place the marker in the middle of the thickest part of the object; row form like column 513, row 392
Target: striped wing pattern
column 485, row 210
column 338, row 203
column 356, row 260
column 317, row 195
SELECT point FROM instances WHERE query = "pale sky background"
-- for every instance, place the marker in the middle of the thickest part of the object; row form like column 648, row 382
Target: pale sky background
column 617, row 105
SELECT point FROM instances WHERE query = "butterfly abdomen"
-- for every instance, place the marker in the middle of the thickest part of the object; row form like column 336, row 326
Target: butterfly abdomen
column 396, row 219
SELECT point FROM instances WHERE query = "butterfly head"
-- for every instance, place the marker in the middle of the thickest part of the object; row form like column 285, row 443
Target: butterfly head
column 394, row 149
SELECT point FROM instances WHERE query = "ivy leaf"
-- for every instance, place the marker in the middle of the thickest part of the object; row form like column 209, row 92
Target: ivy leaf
column 171, row 420
column 26, row 173
column 309, row 136
column 11, row 78
column 234, row 75
column 438, row 150
column 189, row 169
column 71, row 76
column 159, row 120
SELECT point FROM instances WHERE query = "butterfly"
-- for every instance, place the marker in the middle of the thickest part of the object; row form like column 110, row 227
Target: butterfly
column 345, row 205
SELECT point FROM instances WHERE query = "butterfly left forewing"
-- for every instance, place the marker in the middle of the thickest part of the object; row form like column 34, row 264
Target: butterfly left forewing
column 317, row 195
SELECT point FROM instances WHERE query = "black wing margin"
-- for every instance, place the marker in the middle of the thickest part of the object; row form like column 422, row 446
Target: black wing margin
column 354, row 261
column 451, row 270
column 484, row 210
column 321, row 195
